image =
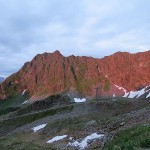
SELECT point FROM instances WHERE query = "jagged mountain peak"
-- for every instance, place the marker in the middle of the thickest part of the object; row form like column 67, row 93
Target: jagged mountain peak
column 57, row 52
column 52, row 73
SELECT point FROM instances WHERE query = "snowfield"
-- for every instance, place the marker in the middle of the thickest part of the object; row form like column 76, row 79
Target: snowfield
column 56, row 138
column 134, row 94
column 137, row 94
column 84, row 143
column 26, row 101
column 36, row 128
column 148, row 95
column 78, row 100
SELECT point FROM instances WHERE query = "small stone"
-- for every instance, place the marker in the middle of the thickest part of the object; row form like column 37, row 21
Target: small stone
column 121, row 124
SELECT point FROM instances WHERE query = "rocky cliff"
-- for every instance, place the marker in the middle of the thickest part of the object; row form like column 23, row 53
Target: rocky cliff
column 52, row 73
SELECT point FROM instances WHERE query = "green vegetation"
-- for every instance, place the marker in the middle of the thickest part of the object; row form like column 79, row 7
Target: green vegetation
column 131, row 139
column 16, row 104
column 19, row 142
column 107, row 85
column 73, row 72
column 11, row 89
column 43, row 91
column 13, row 101
column 67, row 124
column 43, row 105
column 92, row 100
column 75, row 120
column 9, row 109
column 13, row 123
column 18, row 75
column 82, row 68
column 83, row 85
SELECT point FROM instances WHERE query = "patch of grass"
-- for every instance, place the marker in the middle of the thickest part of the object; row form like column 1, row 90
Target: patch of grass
column 83, row 85
column 82, row 68
column 13, row 101
column 11, row 89
column 145, row 141
column 23, row 146
column 130, row 139
column 122, row 102
column 66, row 124
column 18, row 142
column 92, row 100
column 10, row 124
column 73, row 72
column 107, row 85
column 9, row 109
column 50, row 102
column 43, row 91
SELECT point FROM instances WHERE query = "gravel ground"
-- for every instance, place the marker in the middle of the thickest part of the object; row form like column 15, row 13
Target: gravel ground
column 79, row 110
column 123, row 118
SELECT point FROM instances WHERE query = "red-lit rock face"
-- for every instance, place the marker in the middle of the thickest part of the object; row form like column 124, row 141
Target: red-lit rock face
column 52, row 73
column 130, row 71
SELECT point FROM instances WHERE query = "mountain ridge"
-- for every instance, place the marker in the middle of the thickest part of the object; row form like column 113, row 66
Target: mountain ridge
column 52, row 73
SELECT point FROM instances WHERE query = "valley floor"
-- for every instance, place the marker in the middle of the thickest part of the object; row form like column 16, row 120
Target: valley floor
column 116, row 124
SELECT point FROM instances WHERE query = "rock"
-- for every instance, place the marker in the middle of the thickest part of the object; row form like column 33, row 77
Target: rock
column 91, row 123
column 52, row 73
column 122, row 124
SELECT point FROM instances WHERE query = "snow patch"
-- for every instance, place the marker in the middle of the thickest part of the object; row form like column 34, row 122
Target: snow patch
column 136, row 94
column 84, row 143
column 126, row 95
column 120, row 88
column 114, row 95
column 36, row 128
column 26, row 101
column 23, row 92
column 148, row 95
column 32, row 96
column 56, row 138
column 132, row 94
column 141, row 92
column 78, row 100
column 70, row 138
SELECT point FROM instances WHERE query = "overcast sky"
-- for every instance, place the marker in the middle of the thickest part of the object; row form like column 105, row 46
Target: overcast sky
column 79, row 27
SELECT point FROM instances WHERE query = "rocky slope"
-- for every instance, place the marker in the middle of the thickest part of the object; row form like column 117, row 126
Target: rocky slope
column 52, row 73
column 81, row 123
column 130, row 71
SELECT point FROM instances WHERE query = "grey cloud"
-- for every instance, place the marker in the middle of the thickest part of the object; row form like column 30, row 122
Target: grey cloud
column 81, row 27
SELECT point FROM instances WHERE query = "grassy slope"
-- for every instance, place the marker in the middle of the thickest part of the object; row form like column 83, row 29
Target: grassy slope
column 102, row 115
column 12, row 104
column 131, row 139
column 12, row 123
